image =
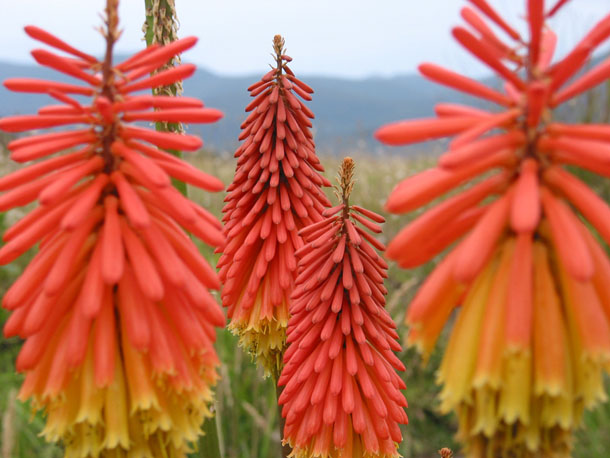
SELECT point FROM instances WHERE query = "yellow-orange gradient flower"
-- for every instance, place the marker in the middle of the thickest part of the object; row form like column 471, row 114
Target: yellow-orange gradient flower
column 341, row 395
column 528, row 350
column 275, row 192
column 114, row 307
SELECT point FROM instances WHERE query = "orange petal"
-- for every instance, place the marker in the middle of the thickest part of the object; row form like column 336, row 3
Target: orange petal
column 491, row 14
column 519, row 301
column 462, row 83
column 477, row 150
column 478, row 246
column 567, row 238
column 525, row 207
column 404, row 132
column 418, row 190
column 434, row 219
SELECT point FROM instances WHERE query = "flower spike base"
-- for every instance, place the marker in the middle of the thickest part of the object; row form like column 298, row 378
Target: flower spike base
column 114, row 308
column 531, row 341
column 342, row 396
column 275, row 192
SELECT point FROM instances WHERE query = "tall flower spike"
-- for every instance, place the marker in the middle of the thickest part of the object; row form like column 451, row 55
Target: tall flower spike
column 342, row 396
column 532, row 339
column 114, row 307
column 275, row 192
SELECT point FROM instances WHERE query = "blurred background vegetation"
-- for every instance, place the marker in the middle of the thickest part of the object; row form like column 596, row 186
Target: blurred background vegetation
column 246, row 410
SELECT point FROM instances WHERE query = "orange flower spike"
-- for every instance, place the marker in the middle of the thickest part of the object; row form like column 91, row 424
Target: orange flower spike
column 539, row 310
column 275, row 192
column 339, row 370
column 117, row 293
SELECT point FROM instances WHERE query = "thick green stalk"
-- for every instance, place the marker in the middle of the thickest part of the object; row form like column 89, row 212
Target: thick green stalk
column 284, row 448
column 161, row 27
column 209, row 445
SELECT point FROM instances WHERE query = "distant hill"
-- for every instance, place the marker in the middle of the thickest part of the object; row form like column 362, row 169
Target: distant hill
column 347, row 111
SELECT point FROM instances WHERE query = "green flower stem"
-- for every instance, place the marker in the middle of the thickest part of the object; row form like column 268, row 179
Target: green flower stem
column 209, row 445
column 285, row 449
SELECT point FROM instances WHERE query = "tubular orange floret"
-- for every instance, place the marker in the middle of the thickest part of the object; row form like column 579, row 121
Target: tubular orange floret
column 549, row 45
column 567, row 237
column 426, row 129
column 557, row 7
column 592, row 78
column 462, row 83
column 117, row 294
column 491, row 13
column 530, row 343
column 478, row 149
column 481, row 50
column 274, row 194
column 443, row 110
column 525, row 207
column 341, row 393
column 477, row 23
column 493, row 121
column 535, row 12
column 478, row 246
column 519, row 298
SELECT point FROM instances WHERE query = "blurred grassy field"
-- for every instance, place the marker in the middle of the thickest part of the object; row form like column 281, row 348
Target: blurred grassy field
column 245, row 402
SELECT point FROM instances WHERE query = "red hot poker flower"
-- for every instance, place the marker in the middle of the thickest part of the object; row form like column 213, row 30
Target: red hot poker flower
column 342, row 396
column 534, row 330
column 115, row 309
column 275, row 192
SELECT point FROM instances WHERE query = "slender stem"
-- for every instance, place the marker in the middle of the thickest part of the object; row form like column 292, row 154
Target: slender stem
column 209, row 445
column 285, row 449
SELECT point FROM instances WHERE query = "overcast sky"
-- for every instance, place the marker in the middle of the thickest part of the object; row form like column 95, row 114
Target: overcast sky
column 346, row 38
